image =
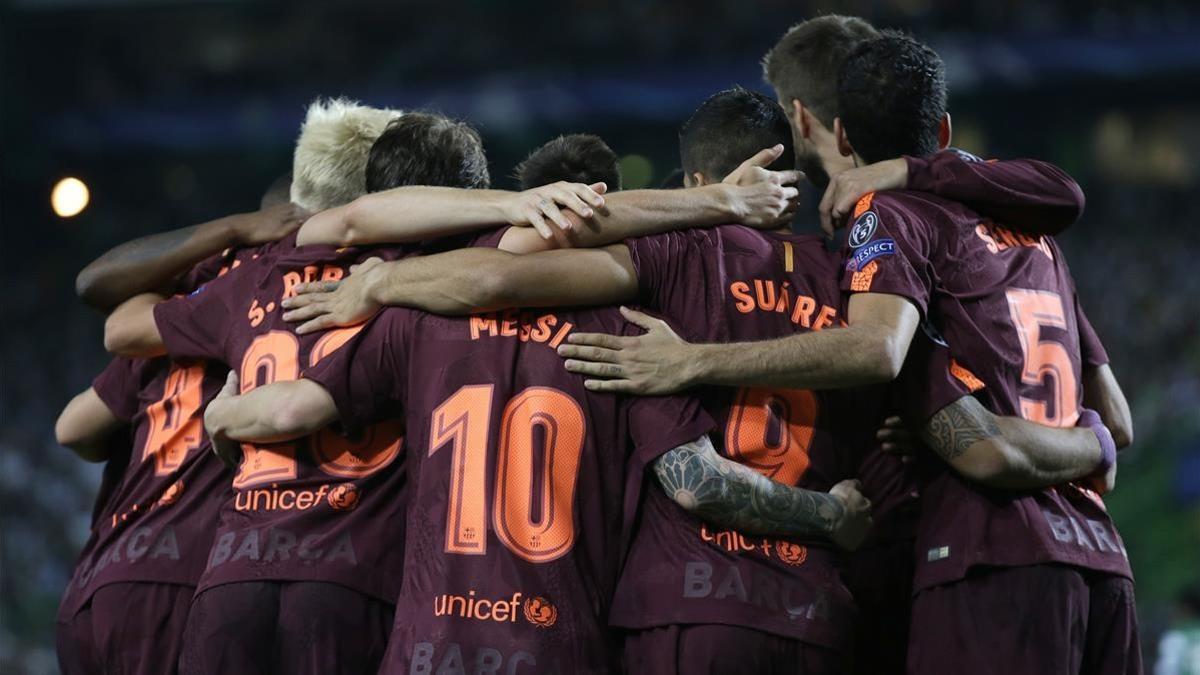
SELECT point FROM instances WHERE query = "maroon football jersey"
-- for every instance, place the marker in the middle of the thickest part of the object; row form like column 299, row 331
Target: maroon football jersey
column 733, row 283
column 159, row 519
column 171, row 502
column 1006, row 305
column 524, row 484
column 1036, row 197
column 109, row 385
column 322, row 508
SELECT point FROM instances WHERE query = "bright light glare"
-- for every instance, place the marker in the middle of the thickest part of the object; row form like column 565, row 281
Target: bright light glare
column 69, row 197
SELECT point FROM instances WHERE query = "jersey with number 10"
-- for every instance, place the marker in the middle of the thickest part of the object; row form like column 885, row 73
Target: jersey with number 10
column 1006, row 305
column 523, row 484
column 321, row 508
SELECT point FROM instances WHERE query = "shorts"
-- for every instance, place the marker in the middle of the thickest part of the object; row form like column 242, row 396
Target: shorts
column 715, row 649
column 1035, row 620
column 131, row 628
column 881, row 580
column 296, row 627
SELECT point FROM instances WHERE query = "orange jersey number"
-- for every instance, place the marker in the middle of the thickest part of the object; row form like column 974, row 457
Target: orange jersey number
column 533, row 512
column 771, row 430
column 175, row 426
column 1047, row 362
column 274, row 357
column 348, row 459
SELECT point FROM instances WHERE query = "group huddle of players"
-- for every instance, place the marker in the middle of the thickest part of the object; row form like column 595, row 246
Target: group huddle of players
column 396, row 421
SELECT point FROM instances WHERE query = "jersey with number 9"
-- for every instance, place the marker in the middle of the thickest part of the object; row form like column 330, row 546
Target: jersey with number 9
column 733, row 283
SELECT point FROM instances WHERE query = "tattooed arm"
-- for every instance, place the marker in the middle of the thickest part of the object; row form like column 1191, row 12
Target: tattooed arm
column 731, row 495
column 1012, row 453
column 152, row 262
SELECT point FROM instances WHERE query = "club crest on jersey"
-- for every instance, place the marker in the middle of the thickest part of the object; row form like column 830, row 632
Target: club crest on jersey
column 869, row 252
column 863, row 229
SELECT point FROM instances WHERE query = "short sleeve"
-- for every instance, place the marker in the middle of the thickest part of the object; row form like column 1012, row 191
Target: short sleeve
column 118, row 386
column 196, row 326
column 930, row 380
column 1091, row 349
column 888, row 250
column 205, row 271
column 366, row 377
column 659, row 424
column 655, row 258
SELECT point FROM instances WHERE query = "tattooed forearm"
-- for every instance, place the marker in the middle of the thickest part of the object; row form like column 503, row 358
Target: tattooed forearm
column 726, row 493
column 958, row 426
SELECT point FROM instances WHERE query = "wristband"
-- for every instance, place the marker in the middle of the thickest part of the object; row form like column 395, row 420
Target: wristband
column 1108, row 448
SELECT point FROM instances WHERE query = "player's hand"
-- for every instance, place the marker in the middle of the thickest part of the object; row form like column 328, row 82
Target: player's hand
column 846, row 188
column 649, row 364
column 855, row 521
column 542, row 207
column 1102, row 482
column 763, row 198
column 319, row 305
column 227, row 450
column 895, row 438
column 269, row 224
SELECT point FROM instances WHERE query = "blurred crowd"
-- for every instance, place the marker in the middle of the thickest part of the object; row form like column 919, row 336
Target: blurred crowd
column 1132, row 141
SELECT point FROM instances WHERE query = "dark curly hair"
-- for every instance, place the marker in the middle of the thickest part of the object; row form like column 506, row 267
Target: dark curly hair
column 575, row 158
column 892, row 97
column 728, row 128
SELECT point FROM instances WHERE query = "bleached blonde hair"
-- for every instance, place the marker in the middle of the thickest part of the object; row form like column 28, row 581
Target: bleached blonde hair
column 330, row 163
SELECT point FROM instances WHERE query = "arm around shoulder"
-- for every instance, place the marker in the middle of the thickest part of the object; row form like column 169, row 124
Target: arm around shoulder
column 84, row 424
column 130, row 330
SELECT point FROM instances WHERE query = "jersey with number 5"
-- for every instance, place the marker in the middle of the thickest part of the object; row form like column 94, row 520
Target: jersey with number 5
column 322, row 508
column 1005, row 303
column 523, row 483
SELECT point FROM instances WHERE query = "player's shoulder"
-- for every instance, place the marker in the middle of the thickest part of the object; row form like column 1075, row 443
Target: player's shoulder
column 807, row 251
column 905, row 211
column 714, row 237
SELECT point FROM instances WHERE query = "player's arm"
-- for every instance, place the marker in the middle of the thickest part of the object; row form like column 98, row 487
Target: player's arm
column 1102, row 393
column 276, row 412
column 152, row 262
column 871, row 349
column 1015, row 454
column 84, row 424
column 562, row 214
column 1027, row 194
column 729, row 494
column 415, row 213
column 751, row 195
column 130, row 330
column 465, row 281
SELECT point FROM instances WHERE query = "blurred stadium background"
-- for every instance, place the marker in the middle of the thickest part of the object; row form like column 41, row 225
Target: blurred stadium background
column 173, row 112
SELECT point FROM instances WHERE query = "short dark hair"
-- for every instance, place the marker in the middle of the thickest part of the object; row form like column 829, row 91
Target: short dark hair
column 420, row 148
column 575, row 158
column 892, row 97
column 805, row 63
column 728, row 128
